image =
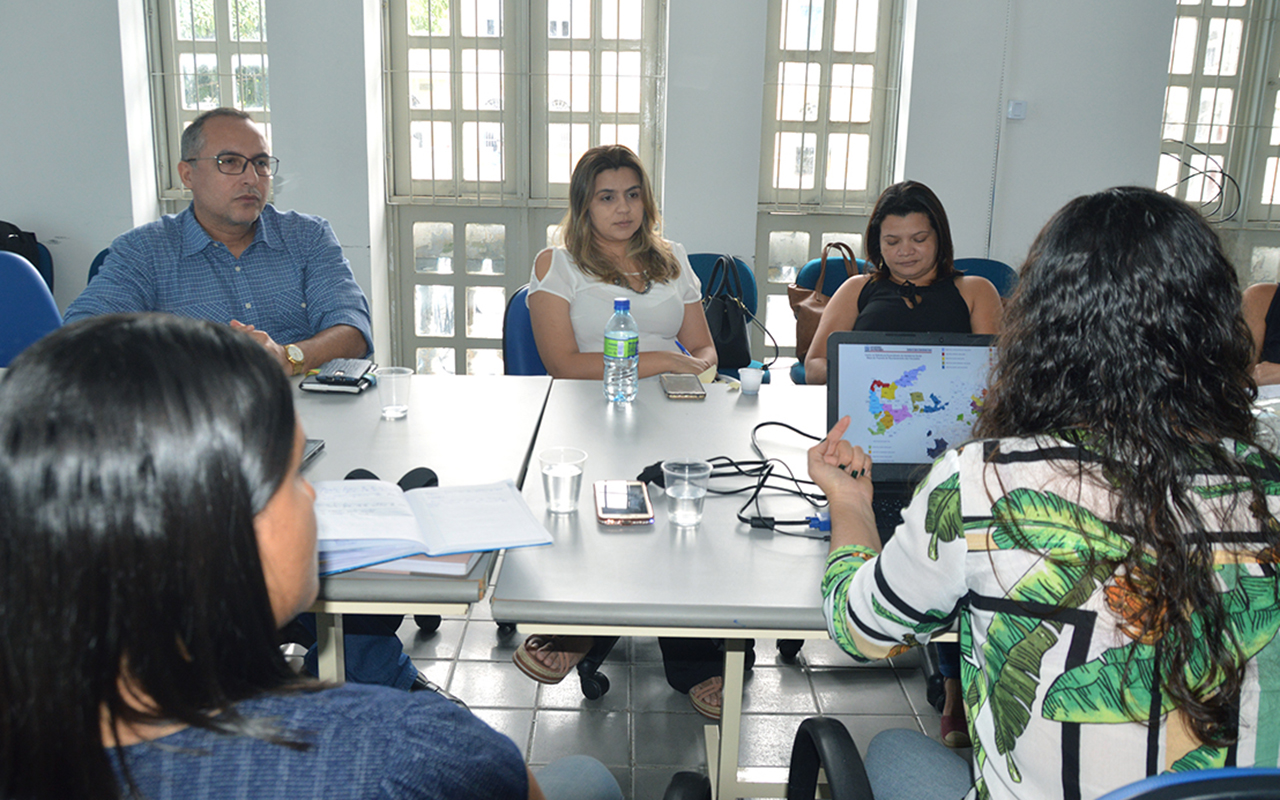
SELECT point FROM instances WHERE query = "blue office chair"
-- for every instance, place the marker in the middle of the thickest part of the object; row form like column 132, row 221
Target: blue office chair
column 807, row 278
column 27, row 308
column 703, row 264
column 45, row 267
column 1001, row 275
column 1228, row 783
column 97, row 264
column 519, row 350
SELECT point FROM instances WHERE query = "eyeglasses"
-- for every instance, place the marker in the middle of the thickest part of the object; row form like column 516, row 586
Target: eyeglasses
column 233, row 164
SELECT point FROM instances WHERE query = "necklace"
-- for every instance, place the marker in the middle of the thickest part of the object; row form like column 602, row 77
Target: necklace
column 626, row 284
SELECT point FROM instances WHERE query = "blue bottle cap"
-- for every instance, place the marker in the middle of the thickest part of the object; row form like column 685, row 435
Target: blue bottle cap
column 621, row 304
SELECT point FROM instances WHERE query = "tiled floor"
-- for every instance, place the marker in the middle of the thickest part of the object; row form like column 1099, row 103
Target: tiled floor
column 642, row 729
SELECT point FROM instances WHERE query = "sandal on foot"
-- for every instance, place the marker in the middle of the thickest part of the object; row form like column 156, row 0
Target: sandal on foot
column 707, row 697
column 547, row 659
column 955, row 732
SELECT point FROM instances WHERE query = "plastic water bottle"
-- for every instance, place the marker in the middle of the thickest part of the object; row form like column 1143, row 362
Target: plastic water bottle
column 621, row 354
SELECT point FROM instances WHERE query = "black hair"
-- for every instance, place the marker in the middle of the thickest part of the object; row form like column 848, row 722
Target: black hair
column 900, row 200
column 1125, row 333
column 135, row 452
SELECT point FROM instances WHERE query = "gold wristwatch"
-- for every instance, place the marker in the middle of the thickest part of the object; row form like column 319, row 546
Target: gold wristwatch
column 297, row 358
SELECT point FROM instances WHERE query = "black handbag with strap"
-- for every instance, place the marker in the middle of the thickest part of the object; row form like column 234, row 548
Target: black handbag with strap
column 727, row 316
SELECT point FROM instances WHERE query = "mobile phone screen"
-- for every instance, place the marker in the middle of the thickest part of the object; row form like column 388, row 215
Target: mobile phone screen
column 622, row 498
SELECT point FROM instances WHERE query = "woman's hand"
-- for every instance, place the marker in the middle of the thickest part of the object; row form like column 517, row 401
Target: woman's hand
column 843, row 472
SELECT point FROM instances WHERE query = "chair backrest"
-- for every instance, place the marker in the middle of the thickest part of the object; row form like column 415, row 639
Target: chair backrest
column 807, row 277
column 45, row 267
column 27, row 308
column 1228, row 783
column 999, row 273
column 704, row 263
column 97, row 264
column 519, row 350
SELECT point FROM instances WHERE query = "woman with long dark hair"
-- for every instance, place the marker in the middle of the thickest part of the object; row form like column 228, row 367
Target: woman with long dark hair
column 155, row 531
column 1109, row 544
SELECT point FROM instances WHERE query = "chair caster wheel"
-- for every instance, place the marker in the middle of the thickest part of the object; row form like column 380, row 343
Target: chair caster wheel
column 936, row 692
column 788, row 649
column 506, row 629
column 595, row 686
column 427, row 623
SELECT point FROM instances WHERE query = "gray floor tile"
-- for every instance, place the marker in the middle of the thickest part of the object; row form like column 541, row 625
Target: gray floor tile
column 601, row 734
column 864, row 727
column 493, row 685
column 859, row 691
column 438, row 672
column 766, row 739
column 778, row 690
column 826, row 653
column 442, row 643
column 516, row 723
column 567, row 694
column 650, row 783
column 484, row 642
column 670, row 740
column 651, row 692
column 644, row 650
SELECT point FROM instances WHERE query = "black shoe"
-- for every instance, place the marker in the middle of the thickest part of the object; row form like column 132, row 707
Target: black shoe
column 421, row 684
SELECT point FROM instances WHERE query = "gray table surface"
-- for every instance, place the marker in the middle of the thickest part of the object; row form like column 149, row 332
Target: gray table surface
column 722, row 574
column 469, row 429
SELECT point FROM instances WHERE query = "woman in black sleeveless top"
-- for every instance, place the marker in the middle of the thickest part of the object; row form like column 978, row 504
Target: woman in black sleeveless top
column 914, row 287
column 1263, row 315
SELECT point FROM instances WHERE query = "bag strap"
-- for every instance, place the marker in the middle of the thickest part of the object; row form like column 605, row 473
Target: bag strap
column 846, row 253
column 729, row 283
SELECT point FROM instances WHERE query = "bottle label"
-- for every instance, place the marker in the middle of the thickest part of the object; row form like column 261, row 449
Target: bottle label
column 621, row 348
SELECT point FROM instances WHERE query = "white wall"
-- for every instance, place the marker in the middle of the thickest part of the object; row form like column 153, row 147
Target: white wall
column 1092, row 73
column 715, row 90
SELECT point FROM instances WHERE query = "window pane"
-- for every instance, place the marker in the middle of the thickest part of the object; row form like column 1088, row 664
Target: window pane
column 788, row 252
column 855, row 28
column 1222, row 52
column 429, row 85
column 1264, row 264
column 433, row 248
column 428, row 17
column 1167, row 174
column 199, row 81
column 482, row 80
column 1275, row 123
column 484, row 361
column 569, row 19
column 247, row 24
column 435, row 361
column 628, row 135
column 569, row 80
column 1213, row 116
column 801, row 25
column 793, row 160
column 431, row 151
column 433, row 310
column 195, row 20
column 848, row 158
column 482, row 151
column 798, row 90
column 565, row 145
column 780, row 319
column 619, row 82
column 1175, row 112
column 620, row 19
column 1182, row 59
column 485, row 305
column 851, row 92
column 554, row 239
column 486, row 249
column 1204, row 183
column 1270, row 192
column 479, row 17
column 250, row 85
column 854, row 240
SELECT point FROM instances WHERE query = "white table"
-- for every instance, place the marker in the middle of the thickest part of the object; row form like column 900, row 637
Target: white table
column 469, row 429
column 720, row 580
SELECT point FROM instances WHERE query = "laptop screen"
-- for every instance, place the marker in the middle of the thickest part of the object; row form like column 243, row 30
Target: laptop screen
column 910, row 396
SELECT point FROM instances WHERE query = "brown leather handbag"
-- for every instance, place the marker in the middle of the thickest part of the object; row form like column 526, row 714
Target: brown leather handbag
column 807, row 304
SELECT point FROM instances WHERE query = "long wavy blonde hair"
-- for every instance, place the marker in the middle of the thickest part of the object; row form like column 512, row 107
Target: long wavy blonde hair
column 646, row 247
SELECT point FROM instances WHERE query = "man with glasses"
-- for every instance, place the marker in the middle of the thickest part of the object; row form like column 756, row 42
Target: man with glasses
column 279, row 276
column 231, row 257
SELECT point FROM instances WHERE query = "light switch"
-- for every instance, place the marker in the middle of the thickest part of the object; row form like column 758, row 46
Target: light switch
column 1017, row 109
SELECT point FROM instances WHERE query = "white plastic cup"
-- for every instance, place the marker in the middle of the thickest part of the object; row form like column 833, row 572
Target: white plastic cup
column 562, row 477
column 686, row 489
column 750, row 378
column 393, row 391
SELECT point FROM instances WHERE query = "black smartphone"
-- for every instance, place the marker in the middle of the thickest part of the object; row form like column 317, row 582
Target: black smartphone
column 345, row 371
column 621, row 502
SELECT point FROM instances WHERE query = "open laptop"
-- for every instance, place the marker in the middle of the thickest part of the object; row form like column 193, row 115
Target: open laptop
column 910, row 396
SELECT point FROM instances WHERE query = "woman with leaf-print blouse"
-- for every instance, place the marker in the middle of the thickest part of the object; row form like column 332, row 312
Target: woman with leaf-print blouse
column 1109, row 546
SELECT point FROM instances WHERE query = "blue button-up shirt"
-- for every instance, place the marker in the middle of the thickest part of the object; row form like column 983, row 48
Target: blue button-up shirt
column 292, row 281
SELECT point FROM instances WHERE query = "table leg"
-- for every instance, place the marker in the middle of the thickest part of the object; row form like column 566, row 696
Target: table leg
column 331, row 663
column 726, row 785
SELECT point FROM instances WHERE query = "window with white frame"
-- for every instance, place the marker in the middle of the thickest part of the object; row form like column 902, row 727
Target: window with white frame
column 1221, row 131
column 205, row 54
column 490, row 105
column 831, row 86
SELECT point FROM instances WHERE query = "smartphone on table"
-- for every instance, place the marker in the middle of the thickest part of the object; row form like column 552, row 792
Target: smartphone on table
column 620, row 502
